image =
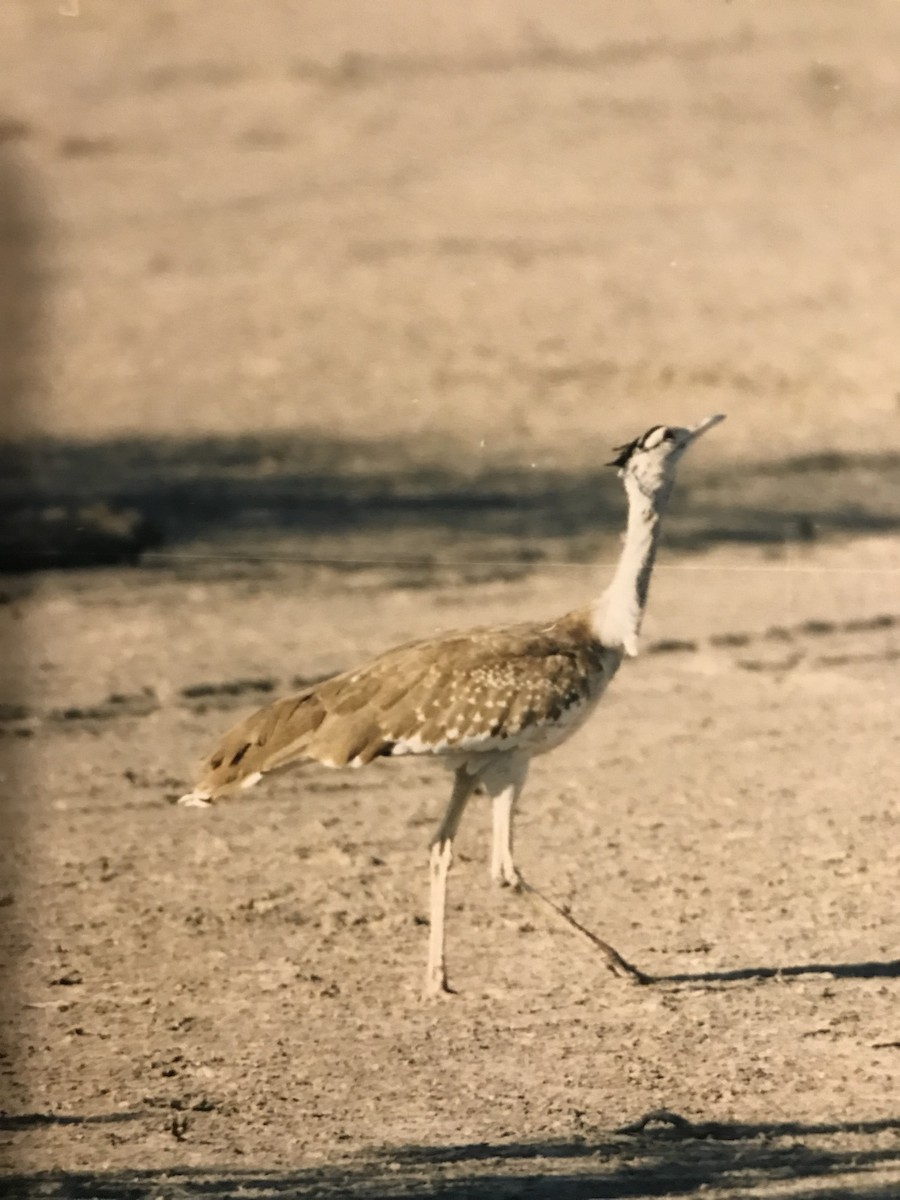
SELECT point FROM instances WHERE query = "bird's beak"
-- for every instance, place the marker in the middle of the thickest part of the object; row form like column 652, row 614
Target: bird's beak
column 701, row 427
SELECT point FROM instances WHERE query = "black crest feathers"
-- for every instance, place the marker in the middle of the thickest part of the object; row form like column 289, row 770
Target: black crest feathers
column 624, row 453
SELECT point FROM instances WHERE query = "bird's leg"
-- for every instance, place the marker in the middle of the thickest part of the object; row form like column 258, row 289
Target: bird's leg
column 504, row 793
column 441, row 858
column 503, row 869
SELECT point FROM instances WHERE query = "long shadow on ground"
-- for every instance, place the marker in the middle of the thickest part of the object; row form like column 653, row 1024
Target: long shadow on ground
column 258, row 493
column 673, row 1160
column 862, row 970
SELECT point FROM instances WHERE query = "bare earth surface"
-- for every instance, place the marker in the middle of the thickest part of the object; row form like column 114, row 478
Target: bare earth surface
column 352, row 309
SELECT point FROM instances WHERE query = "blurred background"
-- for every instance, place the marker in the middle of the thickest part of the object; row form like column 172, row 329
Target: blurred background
column 306, row 270
column 319, row 312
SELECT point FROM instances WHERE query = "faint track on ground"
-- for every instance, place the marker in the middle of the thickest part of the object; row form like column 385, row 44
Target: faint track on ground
column 20, row 720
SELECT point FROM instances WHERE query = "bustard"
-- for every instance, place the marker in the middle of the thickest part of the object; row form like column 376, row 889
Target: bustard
column 484, row 700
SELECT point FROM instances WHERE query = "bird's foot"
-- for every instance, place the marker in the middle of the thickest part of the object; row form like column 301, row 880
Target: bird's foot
column 436, row 986
column 505, row 875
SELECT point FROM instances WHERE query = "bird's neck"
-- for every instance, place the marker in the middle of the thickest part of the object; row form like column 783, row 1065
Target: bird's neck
column 616, row 616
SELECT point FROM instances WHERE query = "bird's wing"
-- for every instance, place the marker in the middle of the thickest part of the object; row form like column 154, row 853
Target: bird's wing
column 458, row 692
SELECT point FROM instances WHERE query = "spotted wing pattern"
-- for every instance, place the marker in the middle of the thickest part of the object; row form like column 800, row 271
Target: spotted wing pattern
column 478, row 691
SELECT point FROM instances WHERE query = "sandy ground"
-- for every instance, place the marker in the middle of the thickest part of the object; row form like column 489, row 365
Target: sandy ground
column 314, row 288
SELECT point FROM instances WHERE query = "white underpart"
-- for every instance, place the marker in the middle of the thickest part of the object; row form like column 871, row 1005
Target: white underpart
column 535, row 739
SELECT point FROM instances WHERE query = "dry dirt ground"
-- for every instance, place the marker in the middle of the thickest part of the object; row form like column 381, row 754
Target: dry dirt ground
column 352, row 305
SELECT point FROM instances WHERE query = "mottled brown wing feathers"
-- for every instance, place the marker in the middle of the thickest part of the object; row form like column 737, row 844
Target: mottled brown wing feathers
column 470, row 691
column 262, row 741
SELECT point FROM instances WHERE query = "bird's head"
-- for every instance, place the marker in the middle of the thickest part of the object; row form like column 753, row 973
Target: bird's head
column 649, row 461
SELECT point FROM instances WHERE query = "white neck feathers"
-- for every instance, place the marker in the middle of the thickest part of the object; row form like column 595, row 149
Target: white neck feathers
column 616, row 616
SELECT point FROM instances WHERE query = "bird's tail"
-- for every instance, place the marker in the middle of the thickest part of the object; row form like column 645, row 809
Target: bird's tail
column 272, row 737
